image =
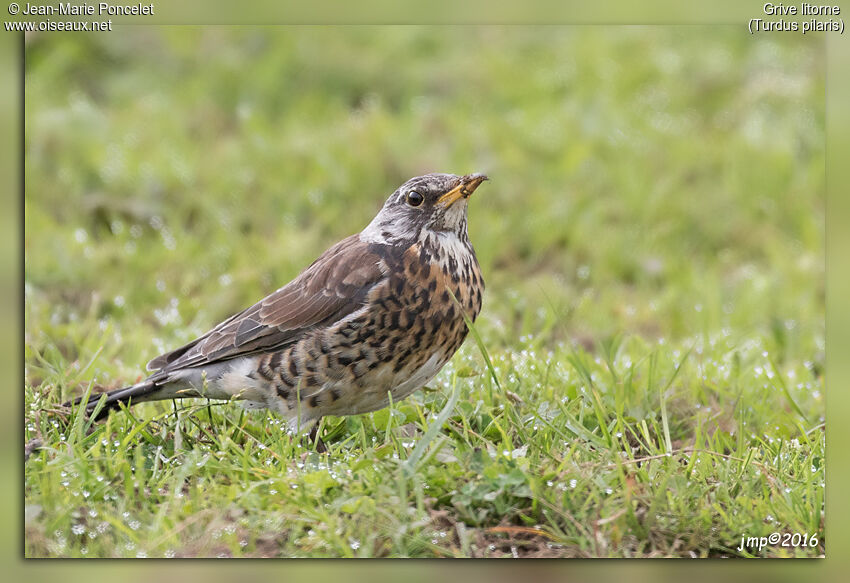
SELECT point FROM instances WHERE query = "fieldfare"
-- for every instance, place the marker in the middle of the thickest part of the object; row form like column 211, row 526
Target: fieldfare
column 375, row 317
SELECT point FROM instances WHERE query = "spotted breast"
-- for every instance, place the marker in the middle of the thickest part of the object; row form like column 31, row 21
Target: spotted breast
column 411, row 325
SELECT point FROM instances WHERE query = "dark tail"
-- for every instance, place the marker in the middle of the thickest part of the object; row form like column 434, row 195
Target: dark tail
column 114, row 399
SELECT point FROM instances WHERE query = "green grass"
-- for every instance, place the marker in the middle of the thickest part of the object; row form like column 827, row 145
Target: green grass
column 646, row 378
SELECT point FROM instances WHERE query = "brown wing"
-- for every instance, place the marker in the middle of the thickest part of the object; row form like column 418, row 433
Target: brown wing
column 333, row 286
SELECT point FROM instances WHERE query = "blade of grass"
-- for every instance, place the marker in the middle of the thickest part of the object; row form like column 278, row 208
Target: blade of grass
column 76, row 432
column 478, row 341
column 85, row 369
column 411, row 464
column 784, row 388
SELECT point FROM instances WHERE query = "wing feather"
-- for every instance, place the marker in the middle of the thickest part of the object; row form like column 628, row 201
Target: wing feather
column 333, row 286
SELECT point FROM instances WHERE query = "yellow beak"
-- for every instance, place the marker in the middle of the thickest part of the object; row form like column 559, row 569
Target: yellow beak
column 467, row 186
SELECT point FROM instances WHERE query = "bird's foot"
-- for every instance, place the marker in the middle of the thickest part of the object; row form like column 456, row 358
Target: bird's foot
column 314, row 438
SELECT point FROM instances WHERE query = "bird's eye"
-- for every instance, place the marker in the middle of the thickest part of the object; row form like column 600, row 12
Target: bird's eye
column 414, row 198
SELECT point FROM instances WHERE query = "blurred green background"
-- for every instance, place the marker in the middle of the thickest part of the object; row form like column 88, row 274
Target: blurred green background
column 656, row 189
column 658, row 181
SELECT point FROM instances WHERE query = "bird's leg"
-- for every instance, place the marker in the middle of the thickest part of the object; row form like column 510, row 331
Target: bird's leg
column 313, row 436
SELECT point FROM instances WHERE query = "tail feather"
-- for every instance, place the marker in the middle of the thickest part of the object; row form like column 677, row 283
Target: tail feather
column 114, row 399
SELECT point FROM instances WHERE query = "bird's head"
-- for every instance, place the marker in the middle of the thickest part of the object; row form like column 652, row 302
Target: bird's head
column 433, row 202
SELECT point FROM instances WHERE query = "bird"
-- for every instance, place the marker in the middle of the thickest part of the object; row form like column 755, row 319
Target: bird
column 370, row 321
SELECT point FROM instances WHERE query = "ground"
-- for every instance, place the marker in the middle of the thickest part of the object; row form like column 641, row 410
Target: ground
column 646, row 378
